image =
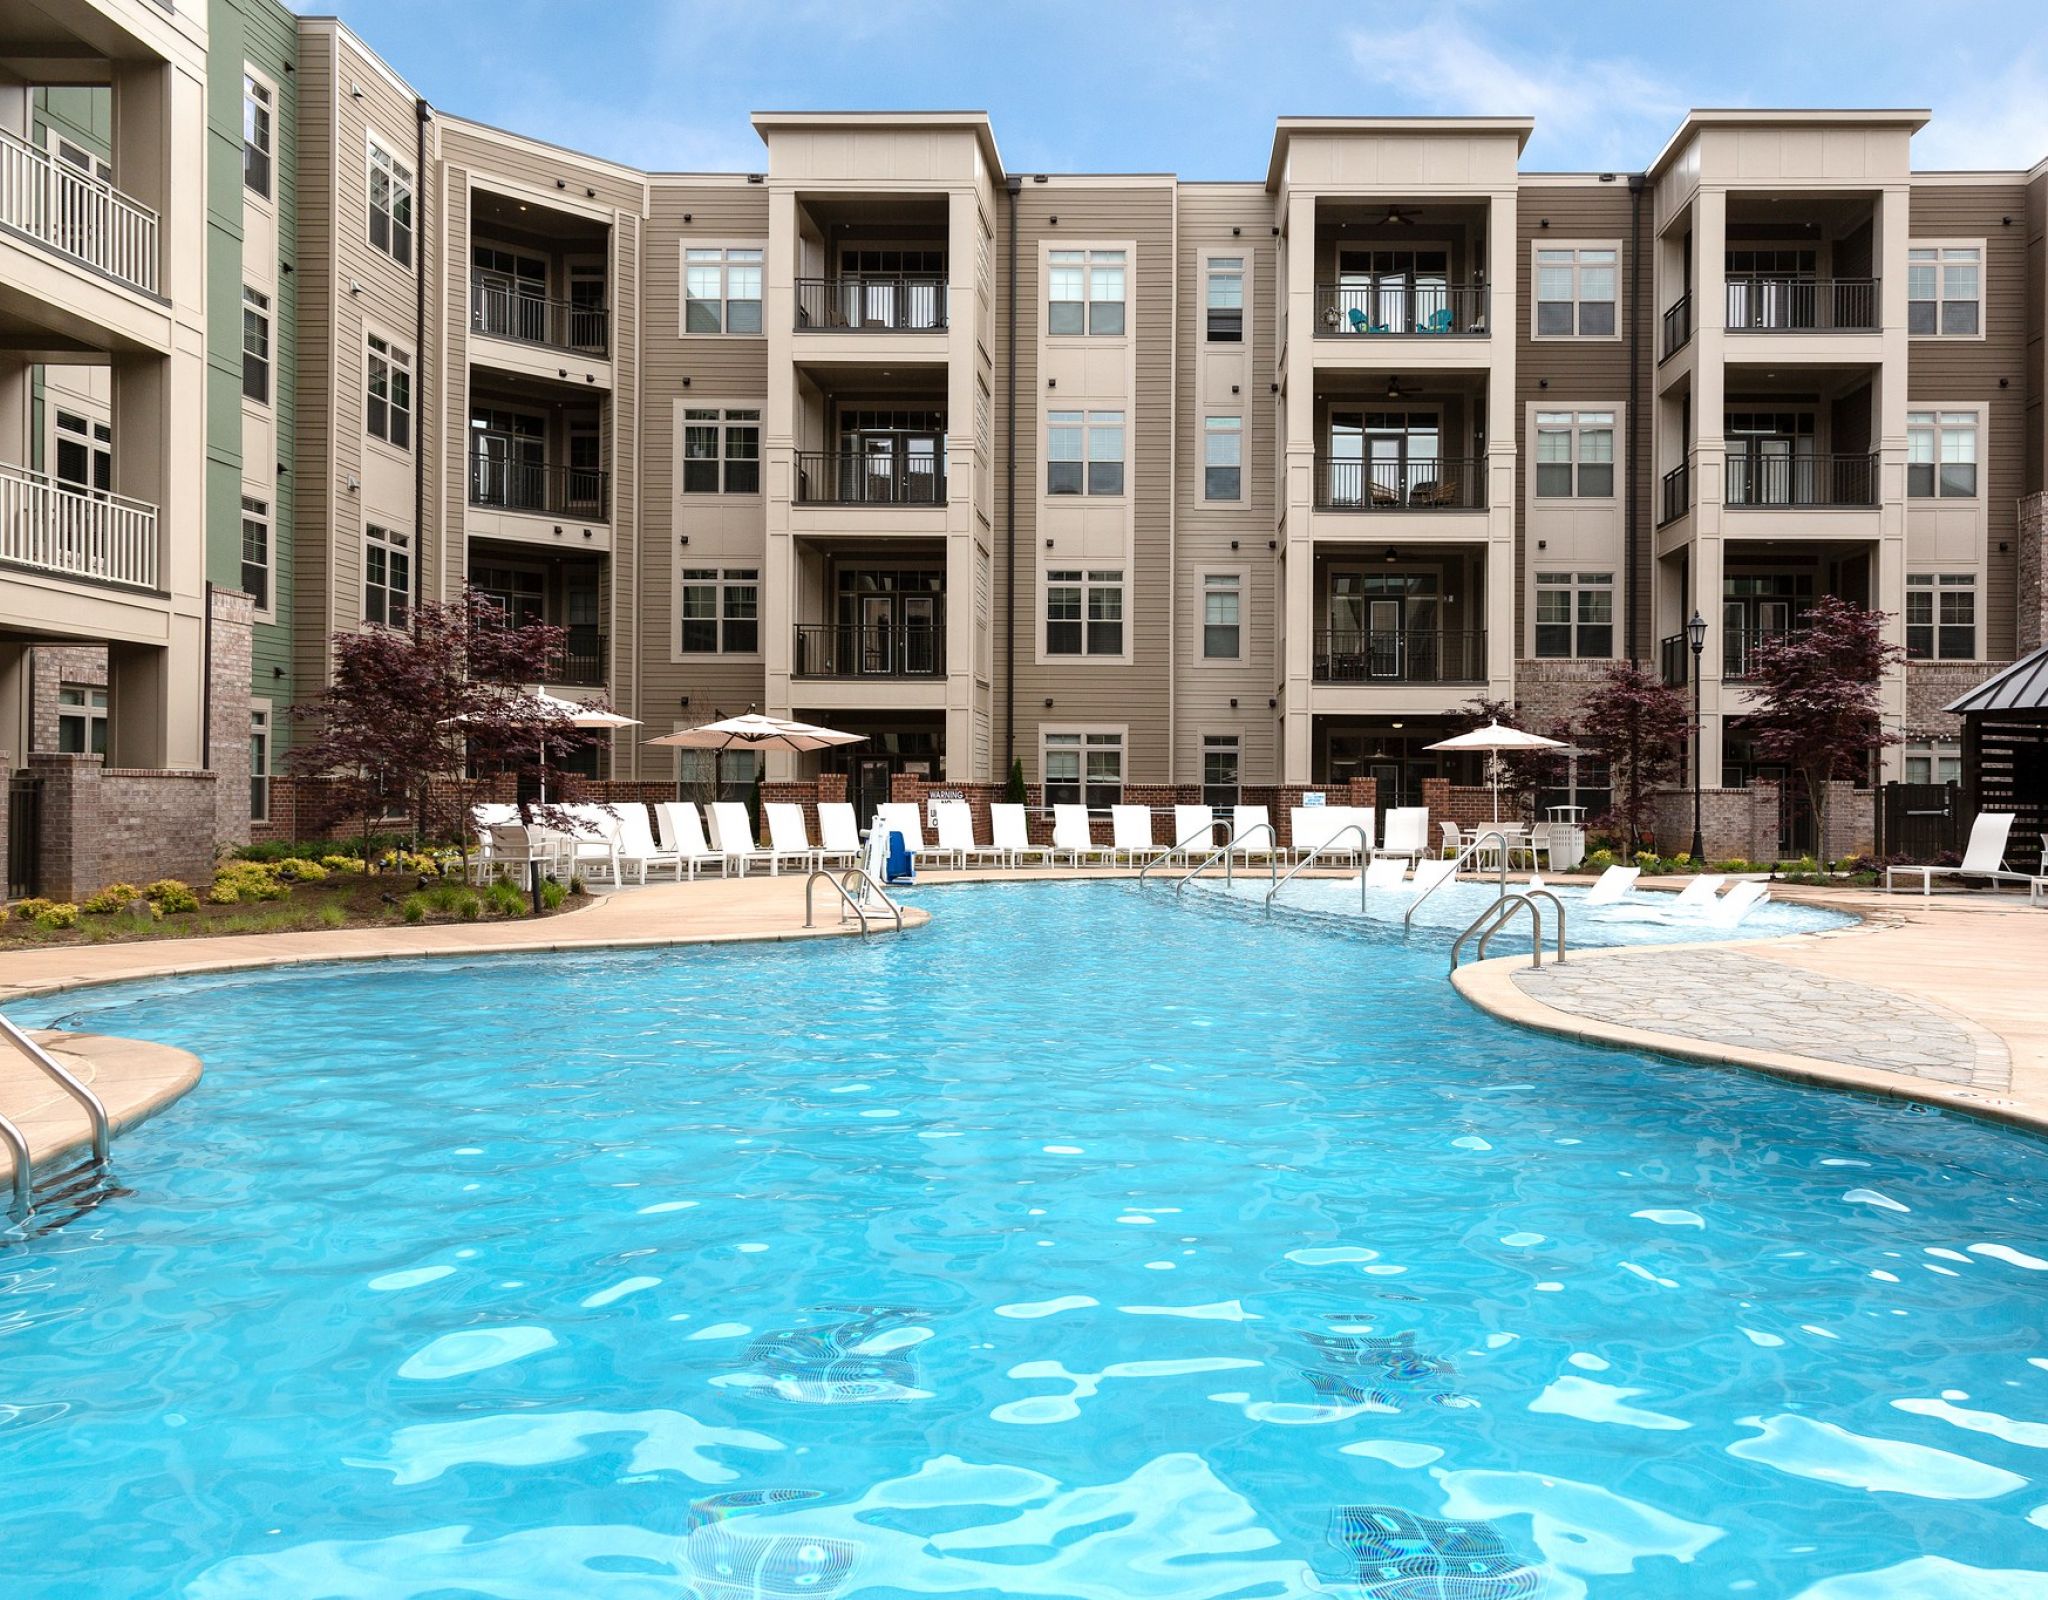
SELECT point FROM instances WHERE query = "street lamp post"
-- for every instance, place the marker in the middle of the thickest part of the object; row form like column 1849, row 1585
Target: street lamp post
column 1696, row 636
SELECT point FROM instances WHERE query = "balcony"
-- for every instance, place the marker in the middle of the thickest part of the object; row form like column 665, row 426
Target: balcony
column 1435, row 484
column 1676, row 496
column 1400, row 308
column 1802, row 305
column 1677, row 327
column 76, row 215
column 870, row 303
column 1400, row 655
column 1739, row 650
column 1757, row 482
column 499, row 312
column 826, row 650
column 538, row 489
column 51, row 526
column 581, row 661
column 881, row 478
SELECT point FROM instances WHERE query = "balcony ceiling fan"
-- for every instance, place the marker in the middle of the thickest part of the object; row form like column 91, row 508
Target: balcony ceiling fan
column 1397, row 218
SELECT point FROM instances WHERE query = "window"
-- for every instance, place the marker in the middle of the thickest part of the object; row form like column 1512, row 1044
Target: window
column 1223, row 458
column 387, row 577
column 1222, row 616
column 1941, row 616
column 259, row 765
column 256, row 551
column 722, row 451
column 721, row 610
column 1084, row 769
column 1941, row 454
column 81, row 719
column 1225, row 300
column 1575, row 294
column 1085, row 291
column 85, row 453
column 1220, row 752
column 721, row 290
column 1944, row 291
column 1084, row 613
column 1084, row 449
column 390, row 205
column 255, row 345
column 1934, row 761
column 255, row 136
column 390, row 393
column 1575, row 614
column 1575, row 454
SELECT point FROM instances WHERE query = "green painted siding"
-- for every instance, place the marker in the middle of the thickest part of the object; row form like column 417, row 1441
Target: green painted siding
column 265, row 35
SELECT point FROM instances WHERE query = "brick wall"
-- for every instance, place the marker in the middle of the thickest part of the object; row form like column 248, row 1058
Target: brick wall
column 1735, row 824
column 51, row 667
column 6, row 795
column 1930, row 685
column 228, row 749
column 1551, row 694
column 110, row 825
column 2032, row 574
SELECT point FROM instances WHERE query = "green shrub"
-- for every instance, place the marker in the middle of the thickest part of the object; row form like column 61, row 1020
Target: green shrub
column 57, row 916
column 578, row 886
column 415, row 908
column 1599, row 861
column 297, row 869
column 30, row 909
column 240, row 882
column 552, row 894
column 114, row 897
column 469, row 905
column 333, row 916
column 345, row 866
column 505, row 899
column 170, row 897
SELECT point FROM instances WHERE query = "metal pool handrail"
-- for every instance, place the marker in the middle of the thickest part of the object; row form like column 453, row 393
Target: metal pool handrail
column 22, row 1205
column 839, row 886
column 95, row 1112
column 1364, row 855
column 1227, row 850
column 1207, row 829
column 1500, row 913
column 1464, row 855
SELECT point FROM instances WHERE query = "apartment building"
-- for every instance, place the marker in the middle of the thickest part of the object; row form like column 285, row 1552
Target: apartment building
column 1127, row 481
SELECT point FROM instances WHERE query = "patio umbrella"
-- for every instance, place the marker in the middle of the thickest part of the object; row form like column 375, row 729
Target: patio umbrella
column 548, row 711
column 756, row 732
column 1493, row 739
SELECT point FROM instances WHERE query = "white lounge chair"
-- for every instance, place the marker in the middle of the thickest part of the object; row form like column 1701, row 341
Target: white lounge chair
column 1194, row 832
column 1326, row 828
column 1013, row 846
column 788, row 838
column 901, row 816
column 840, row 835
column 732, row 836
column 1384, row 872
column 1984, row 857
column 1736, row 904
column 1130, row 830
column 1688, row 903
column 1407, row 833
column 1251, row 831
column 956, row 830
column 1429, row 872
column 637, row 843
column 1613, row 885
column 1073, row 838
column 681, row 829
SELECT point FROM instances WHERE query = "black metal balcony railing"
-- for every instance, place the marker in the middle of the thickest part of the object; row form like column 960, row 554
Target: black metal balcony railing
column 543, row 490
column 1802, row 305
column 581, row 660
column 1401, row 655
column 1439, row 484
column 825, row 478
column 503, row 313
column 1677, row 327
column 1389, row 306
column 1738, row 651
column 872, row 303
column 827, row 650
column 1677, row 497
column 1761, row 482
column 1674, row 658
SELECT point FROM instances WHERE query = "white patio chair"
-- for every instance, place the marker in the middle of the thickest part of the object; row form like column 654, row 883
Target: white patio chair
column 1130, row 831
column 593, row 835
column 516, row 849
column 483, row 818
column 732, row 836
column 682, row 830
column 1252, row 829
column 1453, row 840
column 1983, row 858
column 637, row 844
column 1073, row 838
column 1536, row 847
column 1407, row 833
column 788, row 839
column 955, row 820
column 1013, row 837
column 1194, row 832
column 1325, row 828
column 840, row 835
column 901, row 816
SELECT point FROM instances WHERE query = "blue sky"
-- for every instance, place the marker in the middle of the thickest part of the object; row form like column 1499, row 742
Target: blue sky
column 1193, row 89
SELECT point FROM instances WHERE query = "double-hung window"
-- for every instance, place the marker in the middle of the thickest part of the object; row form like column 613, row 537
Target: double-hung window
column 1084, row 769
column 81, row 719
column 1084, row 613
column 387, row 576
column 721, row 610
column 1084, row 450
column 1223, row 458
column 721, row 290
column 389, row 386
column 1575, row 292
column 1225, row 300
column 256, row 551
column 255, row 345
column 1085, row 291
column 1574, row 454
column 1941, row 616
column 1575, row 614
column 1934, row 761
column 390, row 205
column 85, row 453
column 1941, row 454
column 1945, row 291
column 255, row 136
column 722, row 451
column 259, row 764
column 1221, row 763
column 1222, row 616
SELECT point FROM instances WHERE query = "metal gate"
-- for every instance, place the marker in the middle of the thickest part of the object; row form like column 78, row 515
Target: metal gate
column 1920, row 821
column 24, row 833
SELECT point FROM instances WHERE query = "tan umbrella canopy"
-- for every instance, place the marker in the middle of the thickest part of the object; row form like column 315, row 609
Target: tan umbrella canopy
column 548, row 711
column 756, row 732
column 1493, row 739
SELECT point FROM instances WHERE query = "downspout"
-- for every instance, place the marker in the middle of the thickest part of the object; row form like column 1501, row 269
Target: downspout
column 1632, row 534
column 1013, row 184
column 421, row 113
column 205, row 684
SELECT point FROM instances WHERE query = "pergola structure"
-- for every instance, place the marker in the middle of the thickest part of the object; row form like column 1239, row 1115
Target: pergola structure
column 2005, row 753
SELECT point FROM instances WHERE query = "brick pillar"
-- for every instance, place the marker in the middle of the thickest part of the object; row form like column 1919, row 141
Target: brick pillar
column 228, row 755
column 2032, row 573
column 1436, row 799
column 832, row 788
column 1764, row 801
column 6, row 794
column 70, row 829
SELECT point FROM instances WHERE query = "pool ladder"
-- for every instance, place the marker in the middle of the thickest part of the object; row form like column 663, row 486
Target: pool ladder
column 22, row 1204
column 1498, row 915
column 849, row 901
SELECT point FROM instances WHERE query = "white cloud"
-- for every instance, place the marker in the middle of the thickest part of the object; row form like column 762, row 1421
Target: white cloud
column 1992, row 120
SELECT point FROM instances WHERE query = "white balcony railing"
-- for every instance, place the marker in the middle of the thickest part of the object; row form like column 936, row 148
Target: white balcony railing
column 76, row 215
column 79, row 533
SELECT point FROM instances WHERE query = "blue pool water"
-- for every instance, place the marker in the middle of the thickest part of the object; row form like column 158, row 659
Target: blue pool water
column 1079, row 1244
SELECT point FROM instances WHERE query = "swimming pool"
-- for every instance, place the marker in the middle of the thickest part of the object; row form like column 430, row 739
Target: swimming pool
column 1082, row 1243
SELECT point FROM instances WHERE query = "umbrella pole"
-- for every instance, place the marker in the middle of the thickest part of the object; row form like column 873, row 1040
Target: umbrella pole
column 543, row 769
